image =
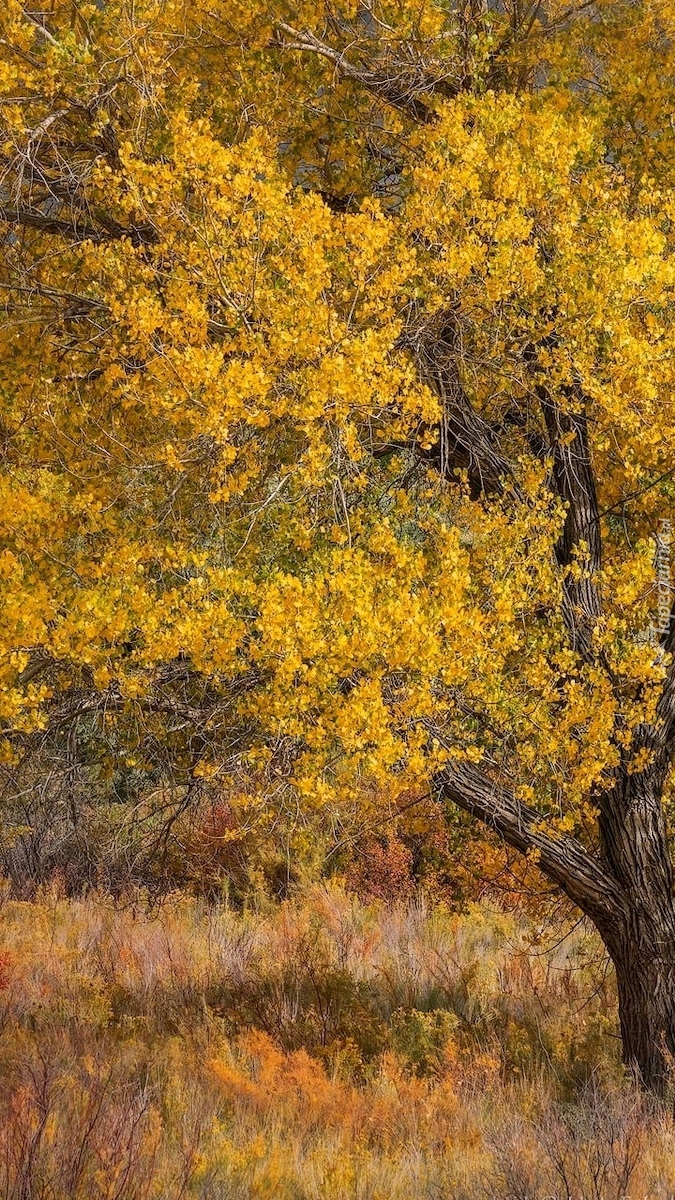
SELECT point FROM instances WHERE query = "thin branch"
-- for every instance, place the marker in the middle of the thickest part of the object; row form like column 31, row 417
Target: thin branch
column 637, row 494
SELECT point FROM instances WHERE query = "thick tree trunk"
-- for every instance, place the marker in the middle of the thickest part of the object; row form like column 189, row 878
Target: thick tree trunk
column 644, row 959
column 641, row 937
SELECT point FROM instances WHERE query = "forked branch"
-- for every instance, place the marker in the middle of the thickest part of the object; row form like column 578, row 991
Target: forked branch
column 399, row 84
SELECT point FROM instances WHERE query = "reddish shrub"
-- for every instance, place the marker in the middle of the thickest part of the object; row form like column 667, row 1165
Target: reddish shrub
column 382, row 870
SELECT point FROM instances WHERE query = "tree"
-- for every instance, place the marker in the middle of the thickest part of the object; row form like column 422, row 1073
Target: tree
column 337, row 422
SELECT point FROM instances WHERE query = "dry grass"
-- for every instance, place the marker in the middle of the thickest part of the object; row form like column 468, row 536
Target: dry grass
column 327, row 1049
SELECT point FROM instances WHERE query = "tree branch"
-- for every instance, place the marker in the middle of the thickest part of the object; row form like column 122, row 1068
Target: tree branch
column 399, row 85
column 466, row 440
column 77, row 231
column 562, row 859
column 579, row 548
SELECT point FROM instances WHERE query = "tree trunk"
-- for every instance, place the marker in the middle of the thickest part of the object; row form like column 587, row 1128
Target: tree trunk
column 641, row 938
column 644, row 960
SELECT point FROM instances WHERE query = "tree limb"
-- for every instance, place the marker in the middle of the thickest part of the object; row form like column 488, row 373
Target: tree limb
column 399, row 85
column 77, row 231
column 579, row 548
column 562, row 859
column 466, row 440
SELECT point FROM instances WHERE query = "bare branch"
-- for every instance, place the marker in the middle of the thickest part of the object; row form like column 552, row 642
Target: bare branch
column 39, row 664
column 399, row 85
column 77, row 231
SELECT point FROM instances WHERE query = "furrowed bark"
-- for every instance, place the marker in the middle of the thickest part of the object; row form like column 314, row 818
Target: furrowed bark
column 641, row 940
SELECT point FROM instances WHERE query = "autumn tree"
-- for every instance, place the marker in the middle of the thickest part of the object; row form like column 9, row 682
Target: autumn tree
column 337, row 423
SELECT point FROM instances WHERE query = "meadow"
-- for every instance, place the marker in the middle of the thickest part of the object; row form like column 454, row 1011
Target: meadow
column 322, row 1048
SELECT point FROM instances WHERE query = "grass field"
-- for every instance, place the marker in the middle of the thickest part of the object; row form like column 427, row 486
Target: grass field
column 323, row 1048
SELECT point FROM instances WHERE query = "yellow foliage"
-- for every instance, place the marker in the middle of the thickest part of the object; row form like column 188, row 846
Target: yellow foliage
column 226, row 241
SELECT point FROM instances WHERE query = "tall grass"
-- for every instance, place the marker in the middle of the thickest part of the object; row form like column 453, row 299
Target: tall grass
column 324, row 1049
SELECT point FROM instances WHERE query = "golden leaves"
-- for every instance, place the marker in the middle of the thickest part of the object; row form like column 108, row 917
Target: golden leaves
column 214, row 423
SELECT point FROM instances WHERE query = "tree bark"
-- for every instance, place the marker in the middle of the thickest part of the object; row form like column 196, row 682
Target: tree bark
column 643, row 953
column 640, row 938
